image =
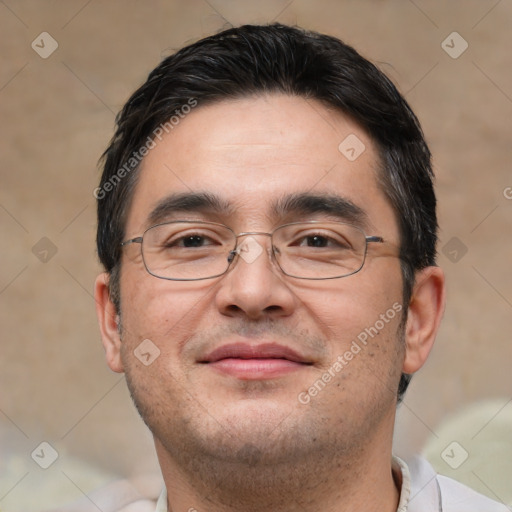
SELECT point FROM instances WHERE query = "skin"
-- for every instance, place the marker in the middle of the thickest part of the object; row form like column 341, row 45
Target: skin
column 226, row 443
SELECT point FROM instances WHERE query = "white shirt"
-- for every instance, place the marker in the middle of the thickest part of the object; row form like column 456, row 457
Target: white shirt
column 423, row 490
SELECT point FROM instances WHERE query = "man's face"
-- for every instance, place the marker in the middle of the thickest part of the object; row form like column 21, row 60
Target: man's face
column 251, row 154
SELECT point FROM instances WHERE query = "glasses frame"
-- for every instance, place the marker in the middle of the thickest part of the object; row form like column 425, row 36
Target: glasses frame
column 234, row 252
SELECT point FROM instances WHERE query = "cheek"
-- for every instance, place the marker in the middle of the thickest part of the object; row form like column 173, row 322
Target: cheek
column 360, row 316
column 366, row 353
column 350, row 306
column 161, row 310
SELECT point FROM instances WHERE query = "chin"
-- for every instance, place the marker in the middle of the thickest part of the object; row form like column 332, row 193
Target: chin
column 246, row 431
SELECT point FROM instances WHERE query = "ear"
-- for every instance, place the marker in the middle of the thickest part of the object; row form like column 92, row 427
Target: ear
column 109, row 323
column 424, row 315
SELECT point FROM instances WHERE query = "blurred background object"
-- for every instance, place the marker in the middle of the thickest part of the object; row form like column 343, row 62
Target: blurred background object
column 473, row 445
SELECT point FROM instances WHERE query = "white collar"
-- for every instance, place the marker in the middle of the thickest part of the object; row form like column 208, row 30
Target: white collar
column 161, row 504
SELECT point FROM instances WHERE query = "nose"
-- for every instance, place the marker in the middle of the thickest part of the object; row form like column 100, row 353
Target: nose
column 254, row 286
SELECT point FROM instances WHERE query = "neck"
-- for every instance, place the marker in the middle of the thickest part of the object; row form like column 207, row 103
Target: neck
column 329, row 481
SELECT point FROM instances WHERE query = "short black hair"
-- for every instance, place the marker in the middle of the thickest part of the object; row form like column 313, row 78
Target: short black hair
column 259, row 59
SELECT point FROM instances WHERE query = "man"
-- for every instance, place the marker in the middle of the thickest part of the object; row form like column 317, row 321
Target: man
column 267, row 225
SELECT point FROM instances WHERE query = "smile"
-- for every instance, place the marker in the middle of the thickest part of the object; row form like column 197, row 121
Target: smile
column 255, row 362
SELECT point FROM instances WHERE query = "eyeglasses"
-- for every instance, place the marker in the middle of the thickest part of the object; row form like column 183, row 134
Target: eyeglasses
column 187, row 250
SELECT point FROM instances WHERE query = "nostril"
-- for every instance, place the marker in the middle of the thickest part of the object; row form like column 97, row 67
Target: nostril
column 234, row 309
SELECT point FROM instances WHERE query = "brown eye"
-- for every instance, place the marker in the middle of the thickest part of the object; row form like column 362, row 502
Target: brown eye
column 193, row 241
column 316, row 241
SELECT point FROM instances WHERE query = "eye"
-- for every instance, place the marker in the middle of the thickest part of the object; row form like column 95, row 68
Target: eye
column 315, row 241
column 190, row 241
column 322, row 240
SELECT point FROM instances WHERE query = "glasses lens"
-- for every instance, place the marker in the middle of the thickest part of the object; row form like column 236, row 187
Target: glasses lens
column 319, row 250
column 187, row 250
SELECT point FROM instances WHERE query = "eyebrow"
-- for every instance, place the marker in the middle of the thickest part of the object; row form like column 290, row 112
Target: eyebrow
column 201, row 202
column 309, row 204
column 298, row 205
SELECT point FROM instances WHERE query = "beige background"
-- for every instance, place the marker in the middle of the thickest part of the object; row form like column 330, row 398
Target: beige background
column 57, row 116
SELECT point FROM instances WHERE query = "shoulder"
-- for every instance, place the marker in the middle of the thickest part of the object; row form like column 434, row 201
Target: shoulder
column 432, row 492
column 457, row 497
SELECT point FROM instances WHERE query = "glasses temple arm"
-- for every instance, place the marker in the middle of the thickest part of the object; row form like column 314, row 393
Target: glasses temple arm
column 377, row 239
column 136, row 240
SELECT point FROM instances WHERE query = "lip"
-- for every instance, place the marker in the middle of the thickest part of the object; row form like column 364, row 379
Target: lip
column 255, row 362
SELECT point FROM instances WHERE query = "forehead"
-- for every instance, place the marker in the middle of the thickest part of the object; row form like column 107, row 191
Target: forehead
column 253, row 152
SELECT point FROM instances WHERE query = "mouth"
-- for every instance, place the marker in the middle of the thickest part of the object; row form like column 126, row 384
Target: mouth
column 255, row 362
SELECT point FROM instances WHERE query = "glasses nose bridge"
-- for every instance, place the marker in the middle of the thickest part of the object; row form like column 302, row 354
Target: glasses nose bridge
column 254, row 233
column 251, row 233
column 239, row 247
